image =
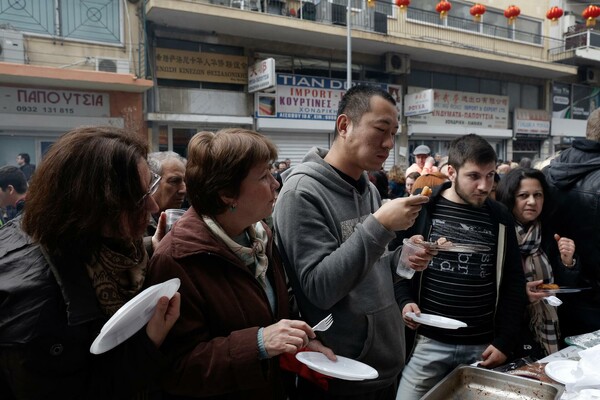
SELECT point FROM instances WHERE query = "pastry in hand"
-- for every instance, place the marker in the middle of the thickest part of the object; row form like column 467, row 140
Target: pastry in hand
column 426, row 191
column 547, row 286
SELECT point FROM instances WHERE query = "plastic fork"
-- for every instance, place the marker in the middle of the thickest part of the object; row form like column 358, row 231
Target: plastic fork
column 324, row 324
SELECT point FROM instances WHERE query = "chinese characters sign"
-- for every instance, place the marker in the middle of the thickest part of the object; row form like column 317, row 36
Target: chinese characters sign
column 464, row 109
column 531, row 122
column 204, row 67
column 418, row 103
column 261, row 75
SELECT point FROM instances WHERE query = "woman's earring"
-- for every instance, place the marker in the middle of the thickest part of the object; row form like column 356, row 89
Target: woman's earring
column 232, row 207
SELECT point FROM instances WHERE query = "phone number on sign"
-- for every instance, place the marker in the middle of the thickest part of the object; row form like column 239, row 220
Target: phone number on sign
column 46, row 110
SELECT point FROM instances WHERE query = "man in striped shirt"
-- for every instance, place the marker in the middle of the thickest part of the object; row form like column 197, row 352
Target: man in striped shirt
column 484, row 289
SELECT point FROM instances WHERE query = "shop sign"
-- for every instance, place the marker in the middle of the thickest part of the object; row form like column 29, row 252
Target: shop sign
column 202, row 67
column 452, row 108
column 418, row 103
column 306, row 97
column 561, row 100
column 531, row 122
column 36, row 101
column 261, row 75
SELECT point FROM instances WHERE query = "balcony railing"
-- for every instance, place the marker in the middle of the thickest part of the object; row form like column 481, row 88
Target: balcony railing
column 413, row 24
column 578, row 37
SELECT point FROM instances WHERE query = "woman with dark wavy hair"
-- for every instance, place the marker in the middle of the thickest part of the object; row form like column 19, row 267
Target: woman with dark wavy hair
column 547, row 257
column 73, row 259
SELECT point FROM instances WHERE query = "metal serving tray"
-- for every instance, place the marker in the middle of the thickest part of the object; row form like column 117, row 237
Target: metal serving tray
column 467, row 382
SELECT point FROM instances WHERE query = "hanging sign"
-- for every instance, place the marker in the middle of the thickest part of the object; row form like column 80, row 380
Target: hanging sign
column 261, row 75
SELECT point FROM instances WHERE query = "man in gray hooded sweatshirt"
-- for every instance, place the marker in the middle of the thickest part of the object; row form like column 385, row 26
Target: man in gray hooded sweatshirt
column 333, row 232
column 574, row 181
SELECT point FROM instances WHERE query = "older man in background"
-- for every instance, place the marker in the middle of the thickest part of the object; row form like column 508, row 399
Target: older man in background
column 421, row 153
column 171, row 190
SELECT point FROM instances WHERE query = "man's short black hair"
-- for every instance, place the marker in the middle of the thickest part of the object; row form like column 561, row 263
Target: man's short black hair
column 25, row 157
column 11, row 175
column 357, row 101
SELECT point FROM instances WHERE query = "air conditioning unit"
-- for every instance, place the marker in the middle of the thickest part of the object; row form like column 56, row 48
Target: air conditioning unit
column 592, row 75
column 397, row 63
column 116, row 65
column 11, row 47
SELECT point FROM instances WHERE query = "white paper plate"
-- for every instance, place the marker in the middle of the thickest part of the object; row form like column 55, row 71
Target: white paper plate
column 457, row 247
column 437, row 321
column 343, row 368
column 562, row 289
column 132, row 316
column 562, row 371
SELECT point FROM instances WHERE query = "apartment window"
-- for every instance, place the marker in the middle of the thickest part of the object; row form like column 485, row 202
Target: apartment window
column 98, row 21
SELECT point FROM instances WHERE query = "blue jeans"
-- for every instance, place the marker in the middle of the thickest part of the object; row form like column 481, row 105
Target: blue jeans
column 430, row 362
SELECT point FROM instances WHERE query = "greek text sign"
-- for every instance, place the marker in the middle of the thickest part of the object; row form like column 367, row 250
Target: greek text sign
column 303, row 97
column 15, row 100
column 418, row 103
column 464, row 109
column 204, row 67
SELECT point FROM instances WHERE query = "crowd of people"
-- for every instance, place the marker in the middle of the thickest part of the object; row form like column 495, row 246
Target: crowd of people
column 265, row 250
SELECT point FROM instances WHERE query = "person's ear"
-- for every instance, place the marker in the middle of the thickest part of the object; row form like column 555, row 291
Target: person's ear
column 452, row 173
column 227, row 199
column 343, row 124
column 10, row 189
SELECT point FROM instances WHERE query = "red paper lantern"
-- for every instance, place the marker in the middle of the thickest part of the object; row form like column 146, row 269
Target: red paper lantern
column 403, row 4
column 477, row 11
column 443, row 7
column 590, row 14
column 512, row 12
column 554, row 14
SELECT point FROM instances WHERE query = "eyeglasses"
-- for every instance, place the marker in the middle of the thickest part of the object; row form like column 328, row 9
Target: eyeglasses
column 153, row 187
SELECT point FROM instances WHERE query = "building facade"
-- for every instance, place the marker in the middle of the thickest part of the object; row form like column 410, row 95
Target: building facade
column 280, row 67
column 65, row 64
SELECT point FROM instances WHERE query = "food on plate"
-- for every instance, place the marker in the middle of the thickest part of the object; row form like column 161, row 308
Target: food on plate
column 426, row 191
column 547, row 286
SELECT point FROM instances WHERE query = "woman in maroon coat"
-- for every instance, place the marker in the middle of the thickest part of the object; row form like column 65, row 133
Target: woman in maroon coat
column 234, row 298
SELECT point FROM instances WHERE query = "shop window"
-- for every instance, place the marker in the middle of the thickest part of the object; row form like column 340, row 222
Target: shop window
column 491, row 86
column 419, row 78
column 513, row 91
column 530, row 95
column 467, row 84
column 98, row 21
column 444, row 81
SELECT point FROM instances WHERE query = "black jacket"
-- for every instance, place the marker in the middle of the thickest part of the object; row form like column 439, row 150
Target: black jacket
column 511, row 300
column 574, row 180
column 49, row 317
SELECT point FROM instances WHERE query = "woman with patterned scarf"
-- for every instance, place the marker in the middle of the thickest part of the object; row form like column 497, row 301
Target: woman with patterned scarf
column 235, row 303
column 547, row 257
column 69, row 263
